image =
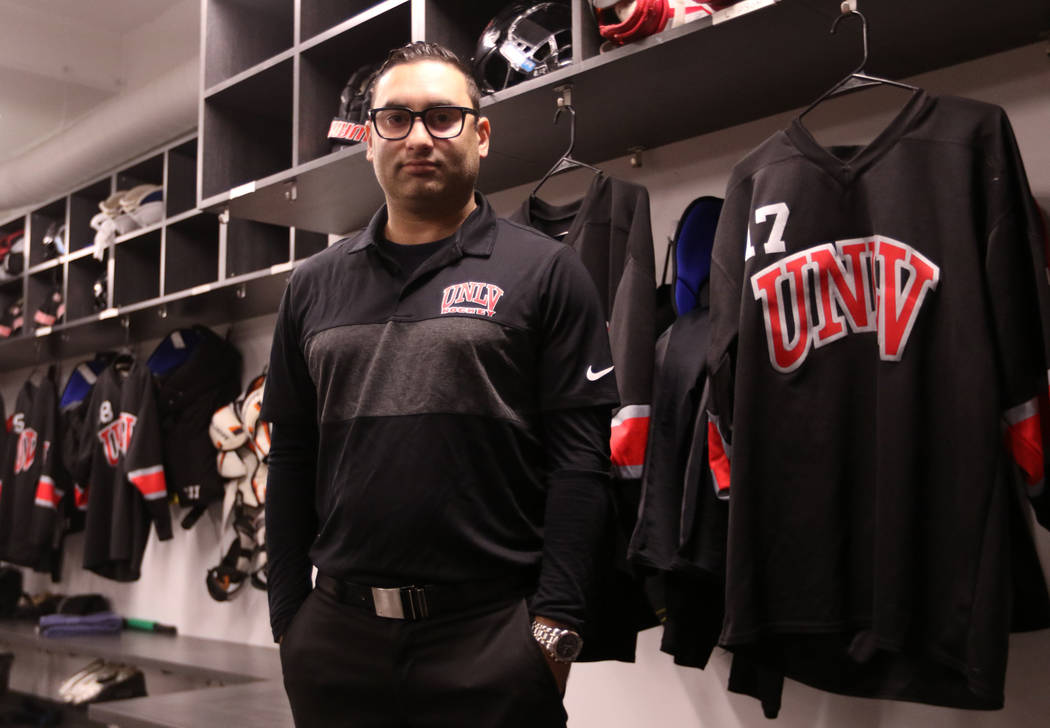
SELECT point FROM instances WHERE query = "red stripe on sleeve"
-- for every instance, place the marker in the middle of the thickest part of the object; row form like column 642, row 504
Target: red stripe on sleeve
column 150, row 482
column 630, row 435
column 717, row 458
column 46, row 494
column 1024, row 440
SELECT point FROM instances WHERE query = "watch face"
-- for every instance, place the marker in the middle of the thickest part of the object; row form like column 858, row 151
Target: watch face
column 567, row 647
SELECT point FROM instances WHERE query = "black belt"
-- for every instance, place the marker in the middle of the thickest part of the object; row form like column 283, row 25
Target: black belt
column 420, row 602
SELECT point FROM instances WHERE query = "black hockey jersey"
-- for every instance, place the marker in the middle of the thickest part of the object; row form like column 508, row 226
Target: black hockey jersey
column 5, row 426
column 611, row 230
column 196, row 372
column 72, row 408
column 121, row 461
column 681, row 528
column 34, row 483
column 676, row 458
column 875, row 337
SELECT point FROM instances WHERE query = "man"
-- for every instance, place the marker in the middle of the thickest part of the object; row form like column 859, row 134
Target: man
column 440, row 386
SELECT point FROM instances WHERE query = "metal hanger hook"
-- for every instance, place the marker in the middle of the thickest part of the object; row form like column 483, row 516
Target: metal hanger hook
column 572, row 125
column 125, row 322
column 863, row 31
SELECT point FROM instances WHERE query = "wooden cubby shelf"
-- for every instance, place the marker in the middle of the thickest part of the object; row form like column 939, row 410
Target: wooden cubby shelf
column 263, row 28
column 186, row 268
column 752, row 60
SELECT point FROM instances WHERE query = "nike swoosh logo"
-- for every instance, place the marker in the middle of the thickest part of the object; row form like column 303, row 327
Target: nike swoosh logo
column 594, row 376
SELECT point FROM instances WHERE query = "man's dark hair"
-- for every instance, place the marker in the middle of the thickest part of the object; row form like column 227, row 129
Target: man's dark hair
column 424, row 50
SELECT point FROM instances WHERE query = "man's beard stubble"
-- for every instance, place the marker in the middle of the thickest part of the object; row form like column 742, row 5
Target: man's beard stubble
column 450, row 191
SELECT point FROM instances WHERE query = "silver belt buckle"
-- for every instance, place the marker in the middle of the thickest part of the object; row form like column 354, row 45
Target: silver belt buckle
column 388, row 603
column 393, row 603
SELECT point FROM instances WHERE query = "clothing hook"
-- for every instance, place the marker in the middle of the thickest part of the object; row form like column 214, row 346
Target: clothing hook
column 847, row 11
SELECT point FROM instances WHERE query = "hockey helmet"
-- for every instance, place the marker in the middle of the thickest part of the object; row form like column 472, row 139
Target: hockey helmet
column 54, row 241
column 12, row 253
column 348, row 125
column 11, row 319
column 523, row 41
column 100, row 291
column 51, row 309
column 624, row 22
column 8, row 239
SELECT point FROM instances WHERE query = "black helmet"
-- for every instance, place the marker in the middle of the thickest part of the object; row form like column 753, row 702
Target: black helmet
column 523, row 41
column 54, row 242
column 100, row 291
column 348, row 125
column 11, row 318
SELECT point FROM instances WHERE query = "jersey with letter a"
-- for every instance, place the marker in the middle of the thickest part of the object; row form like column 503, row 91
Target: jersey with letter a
column 120, row 459
column 875, row 340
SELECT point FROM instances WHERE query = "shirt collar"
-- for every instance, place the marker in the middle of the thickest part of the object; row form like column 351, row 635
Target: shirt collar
column 476, row 236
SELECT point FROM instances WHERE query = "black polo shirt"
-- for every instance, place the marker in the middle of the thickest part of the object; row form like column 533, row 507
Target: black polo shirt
column 427, row 393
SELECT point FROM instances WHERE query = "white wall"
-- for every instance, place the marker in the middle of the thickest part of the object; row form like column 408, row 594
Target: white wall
column 653, row 691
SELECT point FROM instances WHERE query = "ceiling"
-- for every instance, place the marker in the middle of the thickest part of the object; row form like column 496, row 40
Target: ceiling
column 61, row 58
column 118, row 16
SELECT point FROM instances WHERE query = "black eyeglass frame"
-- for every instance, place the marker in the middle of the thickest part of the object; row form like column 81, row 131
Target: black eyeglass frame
column 421, row 115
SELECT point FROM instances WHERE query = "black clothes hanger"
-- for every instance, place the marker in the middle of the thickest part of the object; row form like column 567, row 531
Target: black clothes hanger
column 567, row 161
column 38, row 364
column 125, row 357
column 123, row 361
column 857, row 79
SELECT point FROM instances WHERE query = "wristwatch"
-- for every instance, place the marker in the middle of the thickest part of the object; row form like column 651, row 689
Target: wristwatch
column 561, row 644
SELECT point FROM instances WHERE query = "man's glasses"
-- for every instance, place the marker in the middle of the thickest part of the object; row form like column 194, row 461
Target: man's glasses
column 441, row 122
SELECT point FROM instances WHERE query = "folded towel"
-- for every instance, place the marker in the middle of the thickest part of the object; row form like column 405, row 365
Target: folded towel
column 72, row 625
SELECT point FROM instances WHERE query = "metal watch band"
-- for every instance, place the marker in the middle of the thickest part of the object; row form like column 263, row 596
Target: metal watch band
column 549, row 637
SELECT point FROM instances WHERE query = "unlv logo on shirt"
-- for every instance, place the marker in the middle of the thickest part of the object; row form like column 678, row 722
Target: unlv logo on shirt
column 25, row 450
column 862, row 284
column 116, row 437
column 484, row 296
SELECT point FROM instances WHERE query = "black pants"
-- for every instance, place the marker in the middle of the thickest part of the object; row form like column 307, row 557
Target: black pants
column 480, row 669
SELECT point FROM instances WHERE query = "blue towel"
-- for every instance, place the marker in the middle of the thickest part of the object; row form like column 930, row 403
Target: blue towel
column 73, row 625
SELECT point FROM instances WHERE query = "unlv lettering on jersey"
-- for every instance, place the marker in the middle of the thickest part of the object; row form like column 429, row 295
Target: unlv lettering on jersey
column 485, row 295
column 116, row 437
column 863, row 284
column 25, row 452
